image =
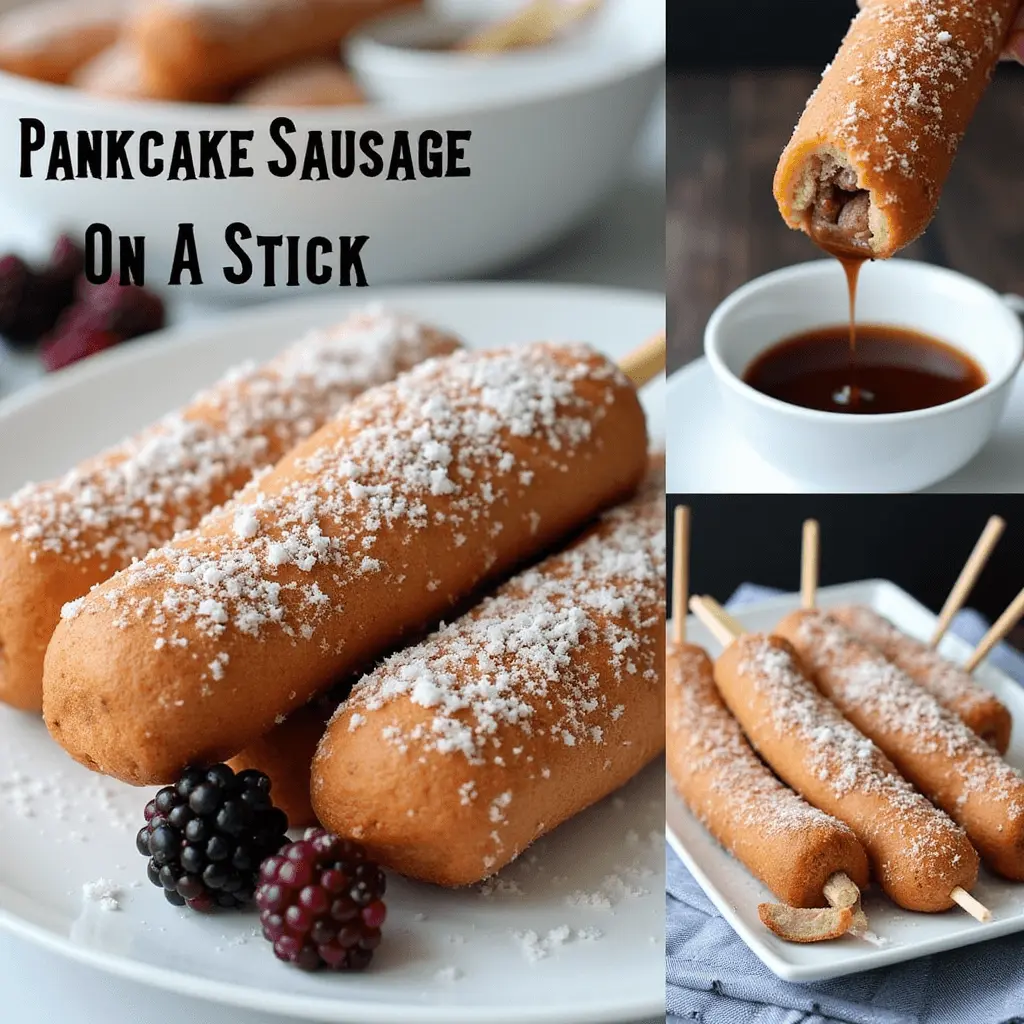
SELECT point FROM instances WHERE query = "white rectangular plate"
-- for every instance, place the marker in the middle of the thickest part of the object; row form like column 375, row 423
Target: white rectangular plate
column 904, row 935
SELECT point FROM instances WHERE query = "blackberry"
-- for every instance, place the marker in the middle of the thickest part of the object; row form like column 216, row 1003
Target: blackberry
column 321, row 903
column 206, row 835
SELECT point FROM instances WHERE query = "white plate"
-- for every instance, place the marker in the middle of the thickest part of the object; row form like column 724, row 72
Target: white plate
column 905, row 935
column 81, row 827
column 707, row 455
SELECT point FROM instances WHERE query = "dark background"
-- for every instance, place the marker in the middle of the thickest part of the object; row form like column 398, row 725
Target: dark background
column 920, row 542
column 739, row 75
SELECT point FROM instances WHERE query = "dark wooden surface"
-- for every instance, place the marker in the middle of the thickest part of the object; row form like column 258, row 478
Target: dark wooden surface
column 725, row 131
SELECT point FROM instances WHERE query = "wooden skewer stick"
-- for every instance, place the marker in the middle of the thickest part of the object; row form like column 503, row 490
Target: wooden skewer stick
column 725, row 630
column 809, row 561
column 643, row 364
column 722, row 626
column 964, row 899
column 968, row 576
column 998, row 632
column 680, row 574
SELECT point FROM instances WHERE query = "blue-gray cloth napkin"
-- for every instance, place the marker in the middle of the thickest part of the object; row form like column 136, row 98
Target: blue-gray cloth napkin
column 712, row 978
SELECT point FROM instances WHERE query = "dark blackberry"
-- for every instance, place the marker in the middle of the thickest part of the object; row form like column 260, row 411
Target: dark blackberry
column 322, row 903
column 193, row 857
column 29, row 302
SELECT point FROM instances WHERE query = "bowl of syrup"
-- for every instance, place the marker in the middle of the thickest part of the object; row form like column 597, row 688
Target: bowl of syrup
column 896, row 401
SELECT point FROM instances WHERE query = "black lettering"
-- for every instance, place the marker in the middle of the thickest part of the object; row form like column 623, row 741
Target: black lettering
column 186, row 256
column 99, row 253
column 457, row 153
column 351, row 260
column 369, row 144
column 149, row 165
column 316, row 158
column 343, row 163
column 117, row 154
column 210, row 165
column 401, row 159
column 60, row 159
column 316, row 248
column 233, row 233
column 293, row 261
column 269, row 244
column 132, row 259
column 33, row 138
column 280, row 127
column 181, row 158
column 240, row 154
column 90, row 154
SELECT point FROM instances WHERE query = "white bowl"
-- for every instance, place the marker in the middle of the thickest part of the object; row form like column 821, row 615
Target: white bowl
column 848, row 452
column 400, row 59
column 540, row 161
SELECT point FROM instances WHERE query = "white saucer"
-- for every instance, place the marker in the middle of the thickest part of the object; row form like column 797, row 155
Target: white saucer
column 706, row 455
column 447, row 956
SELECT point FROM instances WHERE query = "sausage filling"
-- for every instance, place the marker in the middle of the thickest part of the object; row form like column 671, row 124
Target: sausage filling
column 839, row 209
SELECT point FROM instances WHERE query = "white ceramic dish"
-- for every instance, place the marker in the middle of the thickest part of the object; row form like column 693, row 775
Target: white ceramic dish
column 904, row 935
column 398, row 59
column 82, row 827
column 707, row 454
column 540, row 159
column 887, row 452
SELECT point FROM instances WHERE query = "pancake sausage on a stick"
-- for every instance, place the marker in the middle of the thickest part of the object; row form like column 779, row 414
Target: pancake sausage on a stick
column 868, row 159
column 793, row 848
column 929, row 745
column 918, row 854
column 455, row 754
column 979, row 709
column 59, row 538
column 416, row 494
column 781, row 839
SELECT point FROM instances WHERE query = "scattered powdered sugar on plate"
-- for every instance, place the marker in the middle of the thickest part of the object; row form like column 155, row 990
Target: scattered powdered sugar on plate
column 137, row 495
column 539, row 947
column 104, row 892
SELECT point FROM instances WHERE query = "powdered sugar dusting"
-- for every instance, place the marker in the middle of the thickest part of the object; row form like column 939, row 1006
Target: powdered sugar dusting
column 845, row 762
column 133, row 497
column 909, row 71
column 948, row 683
column 911, row 725
column 518, row 669
column 104, row 892
column 434, row 449
column 706, row 742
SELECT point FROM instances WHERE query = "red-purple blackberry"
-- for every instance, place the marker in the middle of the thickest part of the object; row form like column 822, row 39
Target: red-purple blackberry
column 321, row 903
column 206, row 835
column 125, row 310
